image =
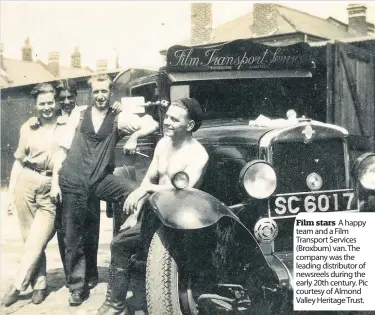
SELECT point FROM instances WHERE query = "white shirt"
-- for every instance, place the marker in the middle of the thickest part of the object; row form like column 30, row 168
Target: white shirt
column 38, row 145
column 97, row 118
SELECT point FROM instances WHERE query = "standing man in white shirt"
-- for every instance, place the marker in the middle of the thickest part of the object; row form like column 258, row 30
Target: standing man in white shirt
column 66, row 98
column 84, row 167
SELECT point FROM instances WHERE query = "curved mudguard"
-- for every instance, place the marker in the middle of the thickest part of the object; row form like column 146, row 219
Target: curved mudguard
column 230, row 241
column 188, row 208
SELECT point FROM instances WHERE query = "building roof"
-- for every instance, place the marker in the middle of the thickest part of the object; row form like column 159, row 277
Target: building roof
column 288, row 21
column 313, row 25
column 3, row 78
column 19, row 72
column 66, row 72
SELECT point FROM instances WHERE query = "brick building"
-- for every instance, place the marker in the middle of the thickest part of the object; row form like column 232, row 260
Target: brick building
column 275, row 23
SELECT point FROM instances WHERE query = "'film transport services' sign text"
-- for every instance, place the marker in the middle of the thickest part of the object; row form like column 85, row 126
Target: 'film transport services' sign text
column 238, row 55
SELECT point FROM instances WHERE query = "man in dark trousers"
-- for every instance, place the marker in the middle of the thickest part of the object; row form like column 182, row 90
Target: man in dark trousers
column 66, row 98
column 177, row 151
column 83, row 169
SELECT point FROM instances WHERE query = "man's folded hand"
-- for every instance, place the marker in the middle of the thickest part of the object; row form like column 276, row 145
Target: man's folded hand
column 135, row 201
column 55, row 194
column 10, row 204
column 130, row 222
column 116, row 108
column 131, row 145
column 133, row 218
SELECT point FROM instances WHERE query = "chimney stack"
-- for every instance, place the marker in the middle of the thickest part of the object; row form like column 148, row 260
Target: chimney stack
column 27, row 52
column 75, row 59
column 357, row 19
column 117, row 62
column 370, row 28
column 101, row 65
column 2, row 56
column 54, row 63
column 201, row 23
column 264, row 19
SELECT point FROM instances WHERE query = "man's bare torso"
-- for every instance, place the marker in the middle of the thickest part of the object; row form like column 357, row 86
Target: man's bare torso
column 172, row 160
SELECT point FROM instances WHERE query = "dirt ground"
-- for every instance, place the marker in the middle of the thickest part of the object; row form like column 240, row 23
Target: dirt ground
column 56, row 302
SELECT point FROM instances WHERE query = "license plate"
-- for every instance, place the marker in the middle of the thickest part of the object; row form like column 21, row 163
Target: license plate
column 289, row 205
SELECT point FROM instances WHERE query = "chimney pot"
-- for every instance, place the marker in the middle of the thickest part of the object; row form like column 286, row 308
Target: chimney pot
column 2, row 56
column 27, row 52
column 357, row 24
column 102, row 65
column 54, row 63
column 75, row 59
column 370, row 28
column 264, row 19
column 201, row 23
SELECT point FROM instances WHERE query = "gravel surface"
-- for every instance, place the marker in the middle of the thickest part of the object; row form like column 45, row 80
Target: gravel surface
column 56, row 302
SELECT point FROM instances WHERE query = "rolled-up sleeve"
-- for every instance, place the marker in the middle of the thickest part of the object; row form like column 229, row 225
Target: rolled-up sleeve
column 22, row 149
column 128, row 122
column 146, row 121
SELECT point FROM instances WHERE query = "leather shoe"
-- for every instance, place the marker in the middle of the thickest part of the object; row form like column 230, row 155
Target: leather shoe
column 77, row 297
column 11, row 296
column 111, row 310
column 38, row 296
column 92, row 283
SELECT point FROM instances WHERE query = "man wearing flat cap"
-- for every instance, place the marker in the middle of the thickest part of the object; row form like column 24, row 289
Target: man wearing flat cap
column 172, row 154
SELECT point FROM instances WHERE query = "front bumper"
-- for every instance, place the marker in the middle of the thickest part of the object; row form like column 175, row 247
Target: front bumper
column 282, row 264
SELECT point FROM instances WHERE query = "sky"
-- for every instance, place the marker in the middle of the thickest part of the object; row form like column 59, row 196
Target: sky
column 134, row 31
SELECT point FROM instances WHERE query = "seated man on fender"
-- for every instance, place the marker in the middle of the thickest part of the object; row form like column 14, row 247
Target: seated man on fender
column 177, row 151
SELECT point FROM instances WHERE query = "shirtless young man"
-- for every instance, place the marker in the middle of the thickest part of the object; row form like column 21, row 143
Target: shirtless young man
column 176, row 151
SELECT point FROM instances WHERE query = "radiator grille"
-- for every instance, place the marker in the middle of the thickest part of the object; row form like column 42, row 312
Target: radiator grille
column 294, row 161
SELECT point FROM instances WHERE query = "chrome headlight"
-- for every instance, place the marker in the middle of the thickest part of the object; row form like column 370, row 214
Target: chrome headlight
column 180, row 180
column 364, row 170
column 259, row 179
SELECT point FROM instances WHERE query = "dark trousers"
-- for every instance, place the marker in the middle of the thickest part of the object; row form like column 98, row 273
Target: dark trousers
column 76, row 212
column 131, row 246
column 124, row 245
column 90, row 237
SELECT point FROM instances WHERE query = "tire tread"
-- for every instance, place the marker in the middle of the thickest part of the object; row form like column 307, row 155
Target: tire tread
column 161, row 291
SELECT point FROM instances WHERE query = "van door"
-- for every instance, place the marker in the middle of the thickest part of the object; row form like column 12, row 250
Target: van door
column 350, row 73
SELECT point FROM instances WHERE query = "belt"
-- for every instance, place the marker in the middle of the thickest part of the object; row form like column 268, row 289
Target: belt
column 38, row 170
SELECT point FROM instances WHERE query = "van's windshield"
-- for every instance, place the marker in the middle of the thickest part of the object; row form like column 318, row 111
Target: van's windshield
column 248, row 98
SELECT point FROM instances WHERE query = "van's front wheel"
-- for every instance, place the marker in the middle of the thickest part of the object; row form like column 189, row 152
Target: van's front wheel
column 168, row 291
column 172, row 289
